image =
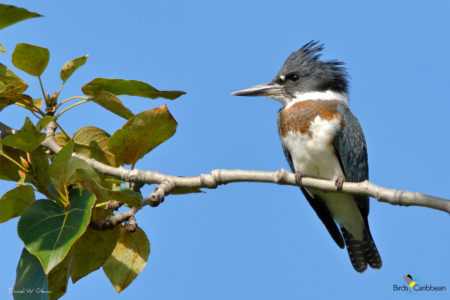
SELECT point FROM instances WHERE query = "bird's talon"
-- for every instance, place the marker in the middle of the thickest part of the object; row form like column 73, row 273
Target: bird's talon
column 339, row 183
column 298, row 178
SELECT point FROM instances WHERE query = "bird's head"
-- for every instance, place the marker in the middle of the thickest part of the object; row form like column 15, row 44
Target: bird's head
column 303, row 75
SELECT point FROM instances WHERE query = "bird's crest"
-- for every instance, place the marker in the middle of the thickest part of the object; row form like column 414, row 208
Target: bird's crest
column 307, row 56
column 308, row 52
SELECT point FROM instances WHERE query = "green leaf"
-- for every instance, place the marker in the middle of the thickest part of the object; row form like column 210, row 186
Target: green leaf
column 126, row 196
column 33, row 283
column 49, row 231
column 10, row 83
column 39, row 170
column 128, row 258
column 30, row 59
column 185, row 190
column 19, row 99
column 92, row 250
column 61, row 139
column 27, row 139
column 91, row 181
column 141, row 134
column 58, row 278
column 14, row 202
column 71, row 66
column 8, row 170
column 30, row 278
column 38, row 102
column 127, row 87
column 6, row 101
column 64, row 166
column 23, row 176
column 59, row 170
column 93, row 142
column 2, row 49
column 66, row 170
column 129, row 198
column 114, row 181
column 43, row 123
column 11, row 14
column 112, row 103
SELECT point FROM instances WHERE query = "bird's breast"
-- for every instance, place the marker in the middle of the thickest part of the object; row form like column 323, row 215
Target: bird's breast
column 307, row 130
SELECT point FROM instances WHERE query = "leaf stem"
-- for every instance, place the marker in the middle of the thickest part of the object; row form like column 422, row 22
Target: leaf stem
column 42, row 88
column 13, row 161
column 40, row 111
column 69, row 107
column 62, row 130
column 63, row 197
column 35, row 109
column 60, row 89
column 71, row 98
column 34, row 114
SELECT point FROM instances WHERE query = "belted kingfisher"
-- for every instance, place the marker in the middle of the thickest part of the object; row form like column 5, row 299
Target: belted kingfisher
column 322, row 138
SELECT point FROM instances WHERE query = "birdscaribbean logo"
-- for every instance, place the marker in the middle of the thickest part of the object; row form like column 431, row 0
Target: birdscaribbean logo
column 414, row 285
column 409, row 281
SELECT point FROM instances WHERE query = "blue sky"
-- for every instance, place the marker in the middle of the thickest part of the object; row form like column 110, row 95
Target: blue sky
column 252, row 240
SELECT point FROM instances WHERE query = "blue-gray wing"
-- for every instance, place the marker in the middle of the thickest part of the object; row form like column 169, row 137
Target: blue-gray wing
column 351, row 150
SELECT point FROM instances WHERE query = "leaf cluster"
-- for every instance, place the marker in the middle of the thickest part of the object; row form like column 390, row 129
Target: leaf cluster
column 58, row 242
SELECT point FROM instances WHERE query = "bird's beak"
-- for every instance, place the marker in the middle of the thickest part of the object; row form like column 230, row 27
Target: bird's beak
column 267, row 89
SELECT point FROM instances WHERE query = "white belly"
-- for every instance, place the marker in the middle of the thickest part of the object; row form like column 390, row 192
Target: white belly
column 314, row 156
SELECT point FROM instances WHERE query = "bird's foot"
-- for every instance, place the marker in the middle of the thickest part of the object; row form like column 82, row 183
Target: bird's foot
column 298, row 178
column 339, row 183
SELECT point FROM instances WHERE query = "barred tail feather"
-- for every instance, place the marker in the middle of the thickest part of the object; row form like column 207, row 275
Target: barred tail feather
column 362, row 252
column 372, row 255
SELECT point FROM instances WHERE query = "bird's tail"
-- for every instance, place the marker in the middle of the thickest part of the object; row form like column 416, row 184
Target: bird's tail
column 362, row 252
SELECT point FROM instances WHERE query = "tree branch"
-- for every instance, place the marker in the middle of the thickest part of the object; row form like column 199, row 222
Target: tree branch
column 6, row 130
column 168, row 183
column 112, row 221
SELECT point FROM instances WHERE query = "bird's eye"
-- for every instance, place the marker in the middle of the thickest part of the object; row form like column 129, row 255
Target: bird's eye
column 292, row 77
